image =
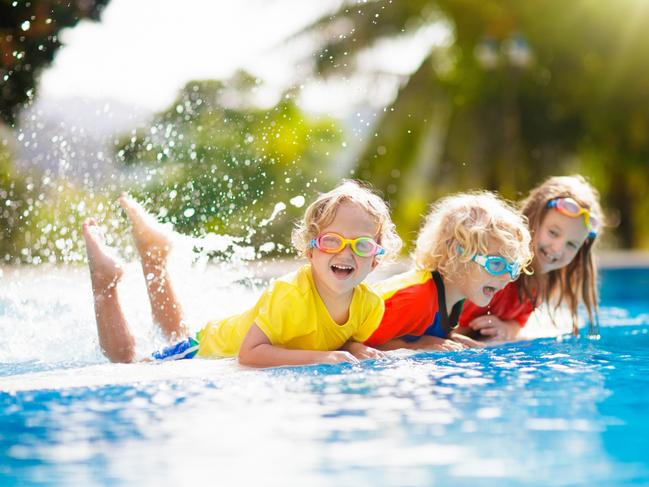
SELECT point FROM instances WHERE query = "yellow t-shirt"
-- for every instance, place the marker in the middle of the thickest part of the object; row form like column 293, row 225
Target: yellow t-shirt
column 292, row 315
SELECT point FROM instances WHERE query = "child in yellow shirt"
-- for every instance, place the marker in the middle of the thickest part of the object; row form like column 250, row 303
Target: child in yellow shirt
column 319, row 314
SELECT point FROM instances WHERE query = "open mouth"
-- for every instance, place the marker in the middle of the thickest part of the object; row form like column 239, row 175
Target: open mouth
column 341, row 271
column 547, row 257
column 489, row 291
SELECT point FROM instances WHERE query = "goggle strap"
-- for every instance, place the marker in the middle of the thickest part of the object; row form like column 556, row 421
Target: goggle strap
column 480, row 259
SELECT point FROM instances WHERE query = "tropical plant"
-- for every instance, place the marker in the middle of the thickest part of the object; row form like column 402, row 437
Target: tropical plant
column 516, row 91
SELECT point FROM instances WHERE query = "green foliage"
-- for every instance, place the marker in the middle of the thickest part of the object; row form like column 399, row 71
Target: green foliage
column 29, row 39
column 41, row 217
column 51, row 227
column 214, row 162
column 12, row 203
column 523, row 90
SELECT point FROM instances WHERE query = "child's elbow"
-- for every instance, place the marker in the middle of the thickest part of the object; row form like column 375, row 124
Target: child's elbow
column 246, row 357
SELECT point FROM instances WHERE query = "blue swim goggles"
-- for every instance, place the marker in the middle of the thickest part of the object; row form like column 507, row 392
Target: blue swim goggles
column 496, row 265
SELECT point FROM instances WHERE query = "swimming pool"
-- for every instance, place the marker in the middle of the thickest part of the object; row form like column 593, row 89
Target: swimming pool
column 545, row 412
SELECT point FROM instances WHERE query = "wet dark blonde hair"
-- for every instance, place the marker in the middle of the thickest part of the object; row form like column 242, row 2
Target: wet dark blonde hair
column 461, row 225
column 576, row 282
column 323, row 210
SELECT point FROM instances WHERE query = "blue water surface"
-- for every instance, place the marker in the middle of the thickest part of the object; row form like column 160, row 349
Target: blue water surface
column 546, row 412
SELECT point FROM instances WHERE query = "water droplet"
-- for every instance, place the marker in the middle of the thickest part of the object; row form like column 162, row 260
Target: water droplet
column 297, row 201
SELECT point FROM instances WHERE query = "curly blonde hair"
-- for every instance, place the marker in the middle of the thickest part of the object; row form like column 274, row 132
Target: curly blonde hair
column 459, row 226
column 323, row 210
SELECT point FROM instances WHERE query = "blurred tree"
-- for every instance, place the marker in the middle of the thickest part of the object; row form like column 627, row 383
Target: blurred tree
column 41, row 217
column 215, row 162
column 12, row 202
column 29, row 38
column 520, row 90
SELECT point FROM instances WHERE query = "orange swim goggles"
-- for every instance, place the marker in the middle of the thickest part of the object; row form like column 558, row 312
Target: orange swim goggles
column 569, row 207
column 332, row 243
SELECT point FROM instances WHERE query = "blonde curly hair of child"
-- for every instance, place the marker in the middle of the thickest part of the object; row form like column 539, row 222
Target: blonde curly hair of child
column 578, row 280
column 322, row 211
column 459, row 226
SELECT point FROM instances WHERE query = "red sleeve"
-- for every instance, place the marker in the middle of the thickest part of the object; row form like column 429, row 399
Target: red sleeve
column 409, row 311
column 471, row 311
column 524, row 314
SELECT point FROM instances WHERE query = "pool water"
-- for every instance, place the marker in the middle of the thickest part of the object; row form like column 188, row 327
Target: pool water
column 545, row 412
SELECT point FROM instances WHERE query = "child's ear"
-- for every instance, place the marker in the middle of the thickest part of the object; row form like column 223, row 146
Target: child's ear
column 375, row 262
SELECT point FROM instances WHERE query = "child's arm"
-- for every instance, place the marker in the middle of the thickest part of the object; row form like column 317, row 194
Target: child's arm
column 360, row 351
column 425, row 342
column 493, row 328
column 468, row 342
column 257, row 351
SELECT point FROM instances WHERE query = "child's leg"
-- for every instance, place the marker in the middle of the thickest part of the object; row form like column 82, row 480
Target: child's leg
column 115, row 338
column 153, row 245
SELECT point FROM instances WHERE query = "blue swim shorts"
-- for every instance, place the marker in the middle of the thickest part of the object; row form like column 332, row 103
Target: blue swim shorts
column 184, row 349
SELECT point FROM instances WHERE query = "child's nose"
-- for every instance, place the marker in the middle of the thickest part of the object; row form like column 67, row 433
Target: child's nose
column 556, row 248
column 347, row 250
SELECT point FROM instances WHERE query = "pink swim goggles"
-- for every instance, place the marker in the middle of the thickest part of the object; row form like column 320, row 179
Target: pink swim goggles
column 569, row 207
column 332, row 243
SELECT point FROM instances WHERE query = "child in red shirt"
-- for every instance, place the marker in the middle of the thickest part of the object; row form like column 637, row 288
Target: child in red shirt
column 470, row 247
column 565, row 218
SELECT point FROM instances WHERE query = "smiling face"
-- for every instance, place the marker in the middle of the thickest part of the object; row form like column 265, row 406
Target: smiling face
column 338, row 274
column 557, row 241
column 477, row 285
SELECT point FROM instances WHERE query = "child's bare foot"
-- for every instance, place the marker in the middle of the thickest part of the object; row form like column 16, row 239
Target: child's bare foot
column 105, row 269
column 152, row 240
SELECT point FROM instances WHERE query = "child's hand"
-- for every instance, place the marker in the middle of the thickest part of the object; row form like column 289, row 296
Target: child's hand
column 428, row 342
column 468, row 342
column 362, row 352
column 496, row 329
column 338, row 357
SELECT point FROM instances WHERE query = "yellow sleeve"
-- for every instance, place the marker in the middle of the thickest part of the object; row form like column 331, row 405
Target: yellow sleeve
column 371, row 315
column 283, row 314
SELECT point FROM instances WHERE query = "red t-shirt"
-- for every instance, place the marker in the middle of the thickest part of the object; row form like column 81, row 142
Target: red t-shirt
column 415, row 305
column 505, row 305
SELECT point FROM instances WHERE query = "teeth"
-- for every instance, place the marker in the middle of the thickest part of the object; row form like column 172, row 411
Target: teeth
column 548, row 256
column 343, row 267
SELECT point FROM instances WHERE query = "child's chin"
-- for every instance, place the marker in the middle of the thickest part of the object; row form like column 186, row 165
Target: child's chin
column 344, row 285
column 482, row 300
